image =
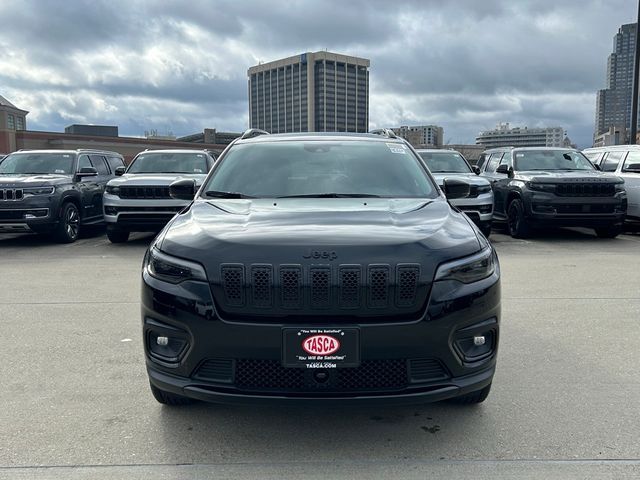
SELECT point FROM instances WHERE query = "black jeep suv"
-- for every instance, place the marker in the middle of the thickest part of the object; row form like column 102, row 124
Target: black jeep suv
column 54, row 191
column 546, row 186
column 320, row 267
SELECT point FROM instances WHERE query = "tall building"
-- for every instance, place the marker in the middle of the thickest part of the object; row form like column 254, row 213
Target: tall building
column 613, row 103
column 423, row 135
column 321, row 92
column 505, row 136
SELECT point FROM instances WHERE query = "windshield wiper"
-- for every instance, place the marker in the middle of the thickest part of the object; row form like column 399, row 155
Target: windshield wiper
column 332, row 195
column 217, row 194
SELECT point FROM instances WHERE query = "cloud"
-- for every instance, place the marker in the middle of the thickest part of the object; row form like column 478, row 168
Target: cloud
column 179, row 66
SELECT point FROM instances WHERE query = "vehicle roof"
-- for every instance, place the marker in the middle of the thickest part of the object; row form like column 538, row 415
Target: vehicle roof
column 509, row 149
column 612, row 147
column 57, row 150
column 175, row 150
column 307, row 136
column 435, row 150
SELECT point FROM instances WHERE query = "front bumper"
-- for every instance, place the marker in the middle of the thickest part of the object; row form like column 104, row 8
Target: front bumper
column 549, row 209
column 140, row 215
column 401, row 362
column 32, row 214
column 479, row 209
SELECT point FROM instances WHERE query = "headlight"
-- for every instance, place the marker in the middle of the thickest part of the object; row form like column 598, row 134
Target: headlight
column 620, row 187
column 112, row 190
column 39, row 190
column 469, row 269
column 542, row 187
column 484, row 189
column 172, row 269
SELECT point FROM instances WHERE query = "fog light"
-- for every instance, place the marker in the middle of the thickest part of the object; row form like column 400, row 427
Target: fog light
column 477, row 340
column 476, row 347
column 165, row 348
column 110, row 210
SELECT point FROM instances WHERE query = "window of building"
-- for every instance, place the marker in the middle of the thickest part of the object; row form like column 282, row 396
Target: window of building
column 19, row 123
column 11, row 122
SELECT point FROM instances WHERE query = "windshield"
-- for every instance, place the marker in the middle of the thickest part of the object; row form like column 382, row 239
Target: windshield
column 445, row 162
column 37, row 163
column 551, row 160
column 321, row 168
column 185, row 162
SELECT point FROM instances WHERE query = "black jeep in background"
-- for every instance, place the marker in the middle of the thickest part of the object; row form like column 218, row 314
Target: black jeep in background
column 54, row 191
column 546, row 186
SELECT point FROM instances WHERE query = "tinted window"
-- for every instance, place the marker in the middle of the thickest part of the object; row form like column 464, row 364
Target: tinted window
column 481, row 160
column 100, row 164
column 275, row 169
column 115, row 162
column 633, row 158
column 83, row 162
column 611, row 161
column 551, row 160
column 34, row 163
column 156, row 162
column 493, row 162
column 445, row 162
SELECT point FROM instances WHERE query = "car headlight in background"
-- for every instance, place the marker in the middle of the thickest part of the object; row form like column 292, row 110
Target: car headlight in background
column 484, row 189
column 172, row 269
column 112, row 190
column 469, row 269
column 620, row 187
column 542, row 187
column 39, row 190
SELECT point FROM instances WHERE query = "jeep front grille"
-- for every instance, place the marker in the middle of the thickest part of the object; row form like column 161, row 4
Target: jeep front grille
column 11, row 194
column 262, row 290
column 585, row 189
column 149, row 191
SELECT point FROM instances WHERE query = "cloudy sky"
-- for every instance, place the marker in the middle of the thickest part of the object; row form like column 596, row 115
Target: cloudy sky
column 181, row 66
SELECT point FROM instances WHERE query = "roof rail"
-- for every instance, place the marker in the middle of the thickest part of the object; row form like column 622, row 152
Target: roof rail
column 253, row 132
column 385, row 132
column 97, row 150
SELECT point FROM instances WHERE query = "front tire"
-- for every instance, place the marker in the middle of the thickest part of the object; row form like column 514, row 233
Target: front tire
column 473, row 398
column 68, row 228
column 516, row 222
column 117, row 235
column 608, row 232
column 167, row 398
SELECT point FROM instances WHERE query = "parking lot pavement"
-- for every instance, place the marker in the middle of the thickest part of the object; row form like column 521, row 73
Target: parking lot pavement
column 76, row 404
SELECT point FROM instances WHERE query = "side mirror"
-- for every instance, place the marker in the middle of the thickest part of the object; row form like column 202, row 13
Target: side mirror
column 632, row 167
column 503, row 169
column 86, row 172
column 455, row 188
column 476, row 169
column 119, row 171
column 184, row 189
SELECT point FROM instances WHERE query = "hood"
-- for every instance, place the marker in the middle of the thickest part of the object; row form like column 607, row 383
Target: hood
column 286, row 230
column 381, row 245
column 470, row 178
column 143, row 179
column 37, row 180
column 568, row 176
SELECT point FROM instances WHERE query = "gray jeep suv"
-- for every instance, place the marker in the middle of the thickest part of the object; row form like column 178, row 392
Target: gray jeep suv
column 54, row 191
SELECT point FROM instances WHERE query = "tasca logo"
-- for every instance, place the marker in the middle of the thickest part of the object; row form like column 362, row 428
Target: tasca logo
column 321, row 345
column 320, row 254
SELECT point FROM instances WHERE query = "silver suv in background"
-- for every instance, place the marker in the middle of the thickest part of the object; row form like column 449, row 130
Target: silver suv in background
column 450, row 164
column 138, row 199
column 623, row 161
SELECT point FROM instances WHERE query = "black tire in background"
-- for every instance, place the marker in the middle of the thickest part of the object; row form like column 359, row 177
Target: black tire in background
column 68, row 228
column 608, row 232
column 117, row 235
column 516, row 222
